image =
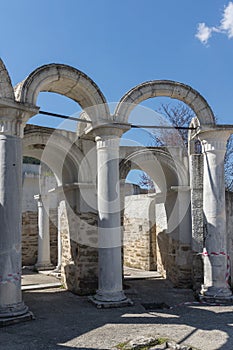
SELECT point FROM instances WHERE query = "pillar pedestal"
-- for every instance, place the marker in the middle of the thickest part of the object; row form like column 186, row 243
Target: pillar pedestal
column 215, row 287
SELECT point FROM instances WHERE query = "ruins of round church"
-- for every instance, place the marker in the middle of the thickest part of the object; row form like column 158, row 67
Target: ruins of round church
column 91, row 223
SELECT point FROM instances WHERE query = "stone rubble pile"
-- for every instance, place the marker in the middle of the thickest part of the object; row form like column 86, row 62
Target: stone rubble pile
column 151, row 343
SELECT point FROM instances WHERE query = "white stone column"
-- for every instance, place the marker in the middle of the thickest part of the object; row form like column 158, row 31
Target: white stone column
column 59, row 242
column 43, row 259
column 12, row 308
column 110, row 291
column 215, row 246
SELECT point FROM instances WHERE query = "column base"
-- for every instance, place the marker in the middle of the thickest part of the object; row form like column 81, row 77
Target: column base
column 110, row 300
column 216, row 295
column 57, row 269
column 44, row 267
column 7, row 321
column 110, row 304
column 15, row 313
column 56, row 273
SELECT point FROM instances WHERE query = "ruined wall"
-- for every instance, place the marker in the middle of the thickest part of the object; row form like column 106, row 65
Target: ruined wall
column 79, row 270
column 196, row 184
column 139, row 232
column 148, row 245
column 30, row 237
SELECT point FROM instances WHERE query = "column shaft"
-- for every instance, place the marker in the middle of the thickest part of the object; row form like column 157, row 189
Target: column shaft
column 10, row 227
column 43, row 260
column 109, row 233
column 59, row 243
column 215, row 259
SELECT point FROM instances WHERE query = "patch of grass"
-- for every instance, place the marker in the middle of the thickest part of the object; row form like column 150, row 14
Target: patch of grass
column 122, row 345
column 161, row 341
column 125, row 346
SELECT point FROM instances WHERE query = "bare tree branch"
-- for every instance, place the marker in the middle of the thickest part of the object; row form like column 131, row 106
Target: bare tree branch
column 179, row 115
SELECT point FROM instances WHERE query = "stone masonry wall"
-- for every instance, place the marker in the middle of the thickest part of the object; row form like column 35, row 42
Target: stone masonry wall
column 79, row 270
column 138, row 252
column 139, row 236
column 196, row 183
column 148, row 246
column 30, row 237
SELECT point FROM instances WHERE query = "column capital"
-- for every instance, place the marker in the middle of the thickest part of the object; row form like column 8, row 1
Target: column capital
column 215, row 139
column 107, row 141
column 42, row 199
column 110, row 130
column 13, row 117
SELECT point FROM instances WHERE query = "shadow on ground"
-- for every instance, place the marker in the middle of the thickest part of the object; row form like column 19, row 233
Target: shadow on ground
column 66, row 321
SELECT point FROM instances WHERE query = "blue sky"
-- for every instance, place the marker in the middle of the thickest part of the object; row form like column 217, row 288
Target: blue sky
column 120, row 44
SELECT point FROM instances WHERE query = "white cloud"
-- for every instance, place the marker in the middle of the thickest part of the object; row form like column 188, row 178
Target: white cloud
column 227, row 20
column 204, row 32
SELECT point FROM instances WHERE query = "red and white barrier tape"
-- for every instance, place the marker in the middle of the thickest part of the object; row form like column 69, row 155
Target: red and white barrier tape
column 11, row 277
column 205, row 253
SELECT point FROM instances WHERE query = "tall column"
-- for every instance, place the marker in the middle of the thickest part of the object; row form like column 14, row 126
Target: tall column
column 43, row 259
column 12, row 308
column 110, row 292
column 59, row 242
column 215, row 246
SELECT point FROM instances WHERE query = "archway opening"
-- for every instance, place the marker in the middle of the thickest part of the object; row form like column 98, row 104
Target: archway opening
column 57, row 104
column 167, row 200
column 38, row 179
column 139, row 224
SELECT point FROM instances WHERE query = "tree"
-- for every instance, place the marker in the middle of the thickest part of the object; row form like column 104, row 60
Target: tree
column 177, row 115
column 180, row 115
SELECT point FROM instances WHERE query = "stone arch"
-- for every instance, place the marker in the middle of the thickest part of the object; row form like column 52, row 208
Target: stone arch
column 6, row 89
column 166, row 88
column 169, row 162
column 67, row 81
column 166, row 170
column 62, row 151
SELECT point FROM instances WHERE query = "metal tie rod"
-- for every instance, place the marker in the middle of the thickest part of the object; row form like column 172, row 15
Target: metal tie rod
column 64, row 117
column 115, row 123
column 162, row 127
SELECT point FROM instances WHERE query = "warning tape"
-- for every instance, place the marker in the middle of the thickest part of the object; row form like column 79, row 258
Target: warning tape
column 11, row 277
column 205, row 253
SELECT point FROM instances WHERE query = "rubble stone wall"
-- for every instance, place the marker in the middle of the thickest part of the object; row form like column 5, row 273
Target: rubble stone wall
column 79, row 270
column 30, row 237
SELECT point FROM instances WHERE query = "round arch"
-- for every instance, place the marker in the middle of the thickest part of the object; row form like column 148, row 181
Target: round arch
column 166, row 88
column 168, row 173
column 67, row 81
column 156, row 161
column 58, row 150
